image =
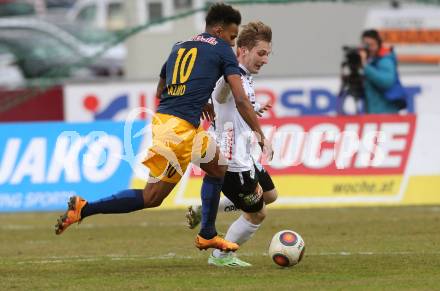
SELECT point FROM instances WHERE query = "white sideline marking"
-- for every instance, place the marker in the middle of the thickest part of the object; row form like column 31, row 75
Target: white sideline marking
column 171, row 256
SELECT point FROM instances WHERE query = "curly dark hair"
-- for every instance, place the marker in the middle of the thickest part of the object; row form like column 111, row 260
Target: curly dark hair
column 222, row 14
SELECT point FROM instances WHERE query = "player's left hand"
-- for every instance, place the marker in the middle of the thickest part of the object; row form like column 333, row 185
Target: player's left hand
column 264, row 108
column 208, row 112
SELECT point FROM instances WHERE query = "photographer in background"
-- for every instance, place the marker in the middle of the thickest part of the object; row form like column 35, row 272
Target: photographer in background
column 383, row 92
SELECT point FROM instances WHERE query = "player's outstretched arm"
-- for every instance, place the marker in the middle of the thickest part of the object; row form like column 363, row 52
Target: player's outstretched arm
column 246, row 111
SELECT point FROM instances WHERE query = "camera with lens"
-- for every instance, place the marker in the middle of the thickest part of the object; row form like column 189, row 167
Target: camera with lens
column 351, row 94
column 351, row 66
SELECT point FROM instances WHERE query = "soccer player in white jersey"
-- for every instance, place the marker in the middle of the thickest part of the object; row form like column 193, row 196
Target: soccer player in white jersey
column 247, row 185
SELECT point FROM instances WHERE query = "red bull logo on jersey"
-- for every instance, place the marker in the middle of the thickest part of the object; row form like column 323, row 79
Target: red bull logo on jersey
column 210, row 40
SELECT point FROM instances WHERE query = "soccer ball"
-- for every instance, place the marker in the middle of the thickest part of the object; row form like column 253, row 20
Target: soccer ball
column 286, row 248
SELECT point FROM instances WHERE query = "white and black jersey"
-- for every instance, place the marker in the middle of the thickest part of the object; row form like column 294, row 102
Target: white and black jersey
column 235, row 137
column 233, row 134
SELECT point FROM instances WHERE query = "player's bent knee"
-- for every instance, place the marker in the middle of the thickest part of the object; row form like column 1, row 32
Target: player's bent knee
column 256, row 217
column 270, row 196
column 152, row 199
column 155, row 193
column 260, row 216
column 155, row 203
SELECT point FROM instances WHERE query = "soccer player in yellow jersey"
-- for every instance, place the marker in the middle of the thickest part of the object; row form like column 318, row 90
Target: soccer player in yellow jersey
column 187, row 80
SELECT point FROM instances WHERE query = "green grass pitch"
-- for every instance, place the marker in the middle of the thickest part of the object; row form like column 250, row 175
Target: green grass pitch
column 390, row 248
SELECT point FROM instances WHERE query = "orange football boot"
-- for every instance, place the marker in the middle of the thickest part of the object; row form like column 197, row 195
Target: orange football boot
column 72, row 215
column 216, row 242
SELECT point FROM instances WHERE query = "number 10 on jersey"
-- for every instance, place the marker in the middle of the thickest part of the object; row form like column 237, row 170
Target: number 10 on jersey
column 182, row 71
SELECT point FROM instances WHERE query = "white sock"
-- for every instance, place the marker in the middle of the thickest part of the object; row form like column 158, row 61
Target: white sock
column 226, row 205
column 239, row 232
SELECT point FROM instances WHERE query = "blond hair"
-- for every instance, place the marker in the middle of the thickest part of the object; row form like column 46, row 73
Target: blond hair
column 253, row 32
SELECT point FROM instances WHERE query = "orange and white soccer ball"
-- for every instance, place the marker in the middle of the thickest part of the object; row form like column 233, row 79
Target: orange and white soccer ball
column 287, row 248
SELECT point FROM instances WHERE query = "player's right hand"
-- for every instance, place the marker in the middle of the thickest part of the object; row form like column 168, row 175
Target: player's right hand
column 263, row 109
column 266, row 147
column 208, row 112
